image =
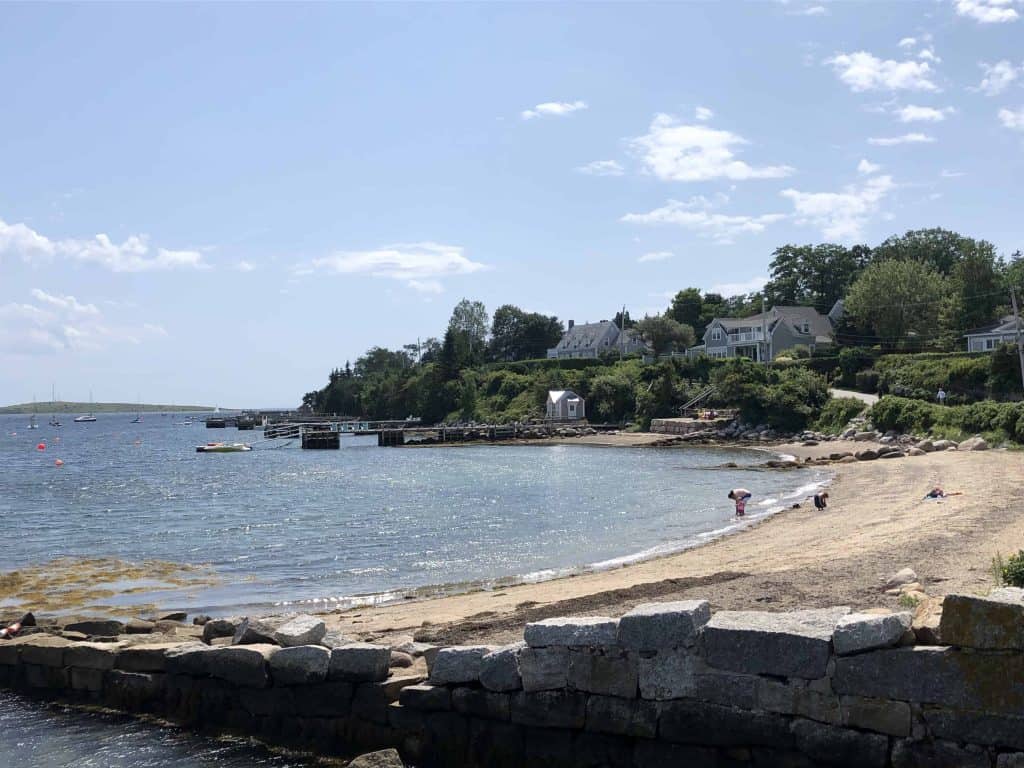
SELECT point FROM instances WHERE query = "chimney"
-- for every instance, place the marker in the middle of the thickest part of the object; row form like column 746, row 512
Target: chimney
column 571, row 324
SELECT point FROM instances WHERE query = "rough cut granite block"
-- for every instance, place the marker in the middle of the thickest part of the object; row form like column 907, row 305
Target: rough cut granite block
column 860, row 632
column 995, row 622
column 359, row 662
column 300, row 665
column 669, row 675
column 91, row 655
column 794, row 644
column 426, row 698
column 474, row 702
column 841, row 747
column 968, row 726
column 657, row 626
column 544, row 669
column 879, row 715
column 549, row 709
column 607, row 672
column 244, row 665
column 301, row 630
column 45, row 650
column 697, row 722
column 151, row 657
column 575, row 632
column 499, row 669
column 189, row 660
column 936, row 754
column 458, row 665
column 622, row 717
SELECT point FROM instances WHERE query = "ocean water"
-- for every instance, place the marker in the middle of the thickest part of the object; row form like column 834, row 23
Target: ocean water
column 281, row 528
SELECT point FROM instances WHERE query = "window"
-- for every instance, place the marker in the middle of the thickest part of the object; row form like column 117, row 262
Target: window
column 806, row 327
column 716, row 334
column 991, row 344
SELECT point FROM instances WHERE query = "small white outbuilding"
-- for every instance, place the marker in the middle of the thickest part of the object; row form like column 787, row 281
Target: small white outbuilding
column 565, row 405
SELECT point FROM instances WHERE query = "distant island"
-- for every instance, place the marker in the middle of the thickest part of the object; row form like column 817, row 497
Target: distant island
column 61, row 406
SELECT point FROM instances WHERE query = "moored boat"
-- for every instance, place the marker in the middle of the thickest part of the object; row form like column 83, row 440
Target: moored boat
column 223, row 448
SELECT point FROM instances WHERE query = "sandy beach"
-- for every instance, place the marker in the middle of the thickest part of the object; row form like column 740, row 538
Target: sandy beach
column 876, row 524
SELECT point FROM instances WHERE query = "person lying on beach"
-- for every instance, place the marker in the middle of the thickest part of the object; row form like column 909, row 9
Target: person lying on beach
column 740, row 496
column 938, row 493
column 821, row 500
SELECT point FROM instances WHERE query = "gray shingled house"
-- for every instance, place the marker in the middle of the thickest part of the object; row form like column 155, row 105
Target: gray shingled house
column 993, row 336
column 596, row 339
column 764, row 335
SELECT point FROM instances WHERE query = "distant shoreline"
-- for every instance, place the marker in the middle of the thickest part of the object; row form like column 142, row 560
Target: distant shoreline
column 61, row 406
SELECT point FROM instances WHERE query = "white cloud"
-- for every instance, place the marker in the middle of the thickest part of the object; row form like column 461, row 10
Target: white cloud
column 602, row 168
column 813, row 10
column 676, row 152
column 928, row 54
column 1012, row 118
column 703, row 114
column 907, row 138
column 912, row 113
column 867, row 167
column 987, row 11
column 841, row 215
column 244, row 266
column 133, row 255
column 56, row 323
column 863, row 71
column 655, row 256
column 998, row 77
column 553, row 109
column 696, row 215
column 946, row 174
column 753, row 285
column 908, row 42
column 421, row 266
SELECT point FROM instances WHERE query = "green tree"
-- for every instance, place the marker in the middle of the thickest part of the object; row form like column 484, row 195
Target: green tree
column 940, row 249
column 898, row 300
column 469, row 323
column 663, row 333
column 519, row 335
column 468, row 397
column 611, row 397
column 686, row 308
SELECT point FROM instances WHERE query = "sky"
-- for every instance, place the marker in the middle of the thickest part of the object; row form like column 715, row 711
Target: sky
column 218, row 203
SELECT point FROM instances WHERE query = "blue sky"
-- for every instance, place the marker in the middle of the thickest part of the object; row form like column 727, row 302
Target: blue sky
column 219, row 203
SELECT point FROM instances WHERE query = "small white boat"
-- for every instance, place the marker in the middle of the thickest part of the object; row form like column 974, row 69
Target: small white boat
column 223, row 448
column 32, row 422
column 84, row 419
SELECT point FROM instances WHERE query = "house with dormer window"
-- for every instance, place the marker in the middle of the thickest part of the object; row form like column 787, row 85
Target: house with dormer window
column 767, row 334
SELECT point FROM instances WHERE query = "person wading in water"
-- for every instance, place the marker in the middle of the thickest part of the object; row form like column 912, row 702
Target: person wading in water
column 740, row 496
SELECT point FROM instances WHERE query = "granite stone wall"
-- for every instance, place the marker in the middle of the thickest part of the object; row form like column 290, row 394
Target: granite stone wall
column 668, row 684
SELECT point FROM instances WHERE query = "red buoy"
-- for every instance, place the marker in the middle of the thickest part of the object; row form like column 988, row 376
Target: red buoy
column 58, row 463
column 41, row 447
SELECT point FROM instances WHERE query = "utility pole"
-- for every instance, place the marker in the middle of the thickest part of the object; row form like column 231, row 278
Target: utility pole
column 1016, row 321
column 764, row 332
column 622, row 333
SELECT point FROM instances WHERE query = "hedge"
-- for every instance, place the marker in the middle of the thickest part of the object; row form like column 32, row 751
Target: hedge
column 1005, row 420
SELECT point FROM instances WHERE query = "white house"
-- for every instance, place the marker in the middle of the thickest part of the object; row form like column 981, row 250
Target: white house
column 565, row 405
column 993, row 336
column 596, row 339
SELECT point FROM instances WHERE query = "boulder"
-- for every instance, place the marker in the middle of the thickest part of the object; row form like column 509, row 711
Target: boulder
column 215, row 628
column 572, row 632
column 863, row 437
column 173, row 616
column 252, row 632
column 200, row 620
column 243, row 665
column 499, row 669
column 976, row 443
column 151, row 657
column 139, row 627
column 188, row 660
column 895, row 453
column 401, row 660
column 655, row 626
column 458, row 665
column 925, row 445
column 96, row 627
column 901, row 577
column 867, row 454
column 334, row 640
column 300, row 665
column 301, row 630
column 385, row 758
column 991, row 623
column 359, row 662
column 859, row 632
column 943, row 445
column 794, row 644
column 915, row 451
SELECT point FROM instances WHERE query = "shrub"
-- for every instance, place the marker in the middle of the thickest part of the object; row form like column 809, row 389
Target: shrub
column 837, row 414
column 1012, row 571
column 966, row 378
column 853, row 360
column 867, row 381
column 1001, row 420
column 786, row 397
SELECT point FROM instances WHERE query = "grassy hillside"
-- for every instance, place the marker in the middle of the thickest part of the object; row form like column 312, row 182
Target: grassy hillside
column 66, row 407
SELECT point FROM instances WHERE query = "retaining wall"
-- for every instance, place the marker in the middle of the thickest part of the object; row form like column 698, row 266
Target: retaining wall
column 666, row 685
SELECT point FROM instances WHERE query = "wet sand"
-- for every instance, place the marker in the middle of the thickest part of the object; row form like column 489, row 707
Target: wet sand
column 876, row 524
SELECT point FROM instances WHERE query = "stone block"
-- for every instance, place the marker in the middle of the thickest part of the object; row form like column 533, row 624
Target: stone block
column 727, row 689
column 657, row 754
column 548, row 748
column 795, row 644
column 458, row 665
column 860, row 632
column 96, row 627
column 359, row 662
column 10, row 650
column 1010, row 760
column 969, row 726
column 45, row 650
column 87, row 679
column 188, row 660
column 697, row 722
column 499, row 669
column 668, row 675
column 622, row 717
column 252, row 632
column 880, row 715
column 495, row 745
column 829, row 745
column 426, row 698
column 994, row 622
column 91, row 655
column 662, row 626
column 935, row 675
column 599, row 750
column 215, row 628
column 603, row 671
column 549, row 709
column 44, row 677
column 133, row 691
column 267, row 702
column 544, row 669
column 300, row 665
column 488, row 705
column 146, row 658
column 572, row 632
column 384, row 758
column 244, row 665
column 936, row 754
column 331, row 699
column 301, row 630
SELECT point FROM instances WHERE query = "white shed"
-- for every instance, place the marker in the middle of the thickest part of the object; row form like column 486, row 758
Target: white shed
column 565, row 405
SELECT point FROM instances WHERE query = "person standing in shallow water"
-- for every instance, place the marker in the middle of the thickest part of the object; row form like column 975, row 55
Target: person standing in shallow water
column 740, row 496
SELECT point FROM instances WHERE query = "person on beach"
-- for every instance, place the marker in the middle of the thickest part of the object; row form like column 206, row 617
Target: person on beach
column 941, row 396
column 939, row 493
column 821, row 500
column 740, row 496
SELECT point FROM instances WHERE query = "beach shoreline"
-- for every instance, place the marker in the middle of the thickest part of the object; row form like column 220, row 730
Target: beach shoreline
column 876, row 525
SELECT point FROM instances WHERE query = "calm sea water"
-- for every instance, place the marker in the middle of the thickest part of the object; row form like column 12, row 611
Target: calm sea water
column 281, row 526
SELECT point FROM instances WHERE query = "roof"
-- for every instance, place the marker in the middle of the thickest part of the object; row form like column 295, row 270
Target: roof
column 587, row 335
column 554, row 395
column 819, row 325
column 1005, row 325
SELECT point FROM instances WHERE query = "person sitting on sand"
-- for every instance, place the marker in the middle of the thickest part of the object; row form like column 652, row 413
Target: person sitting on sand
column 821, row 500
column 740, row 496
column 939, row 493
